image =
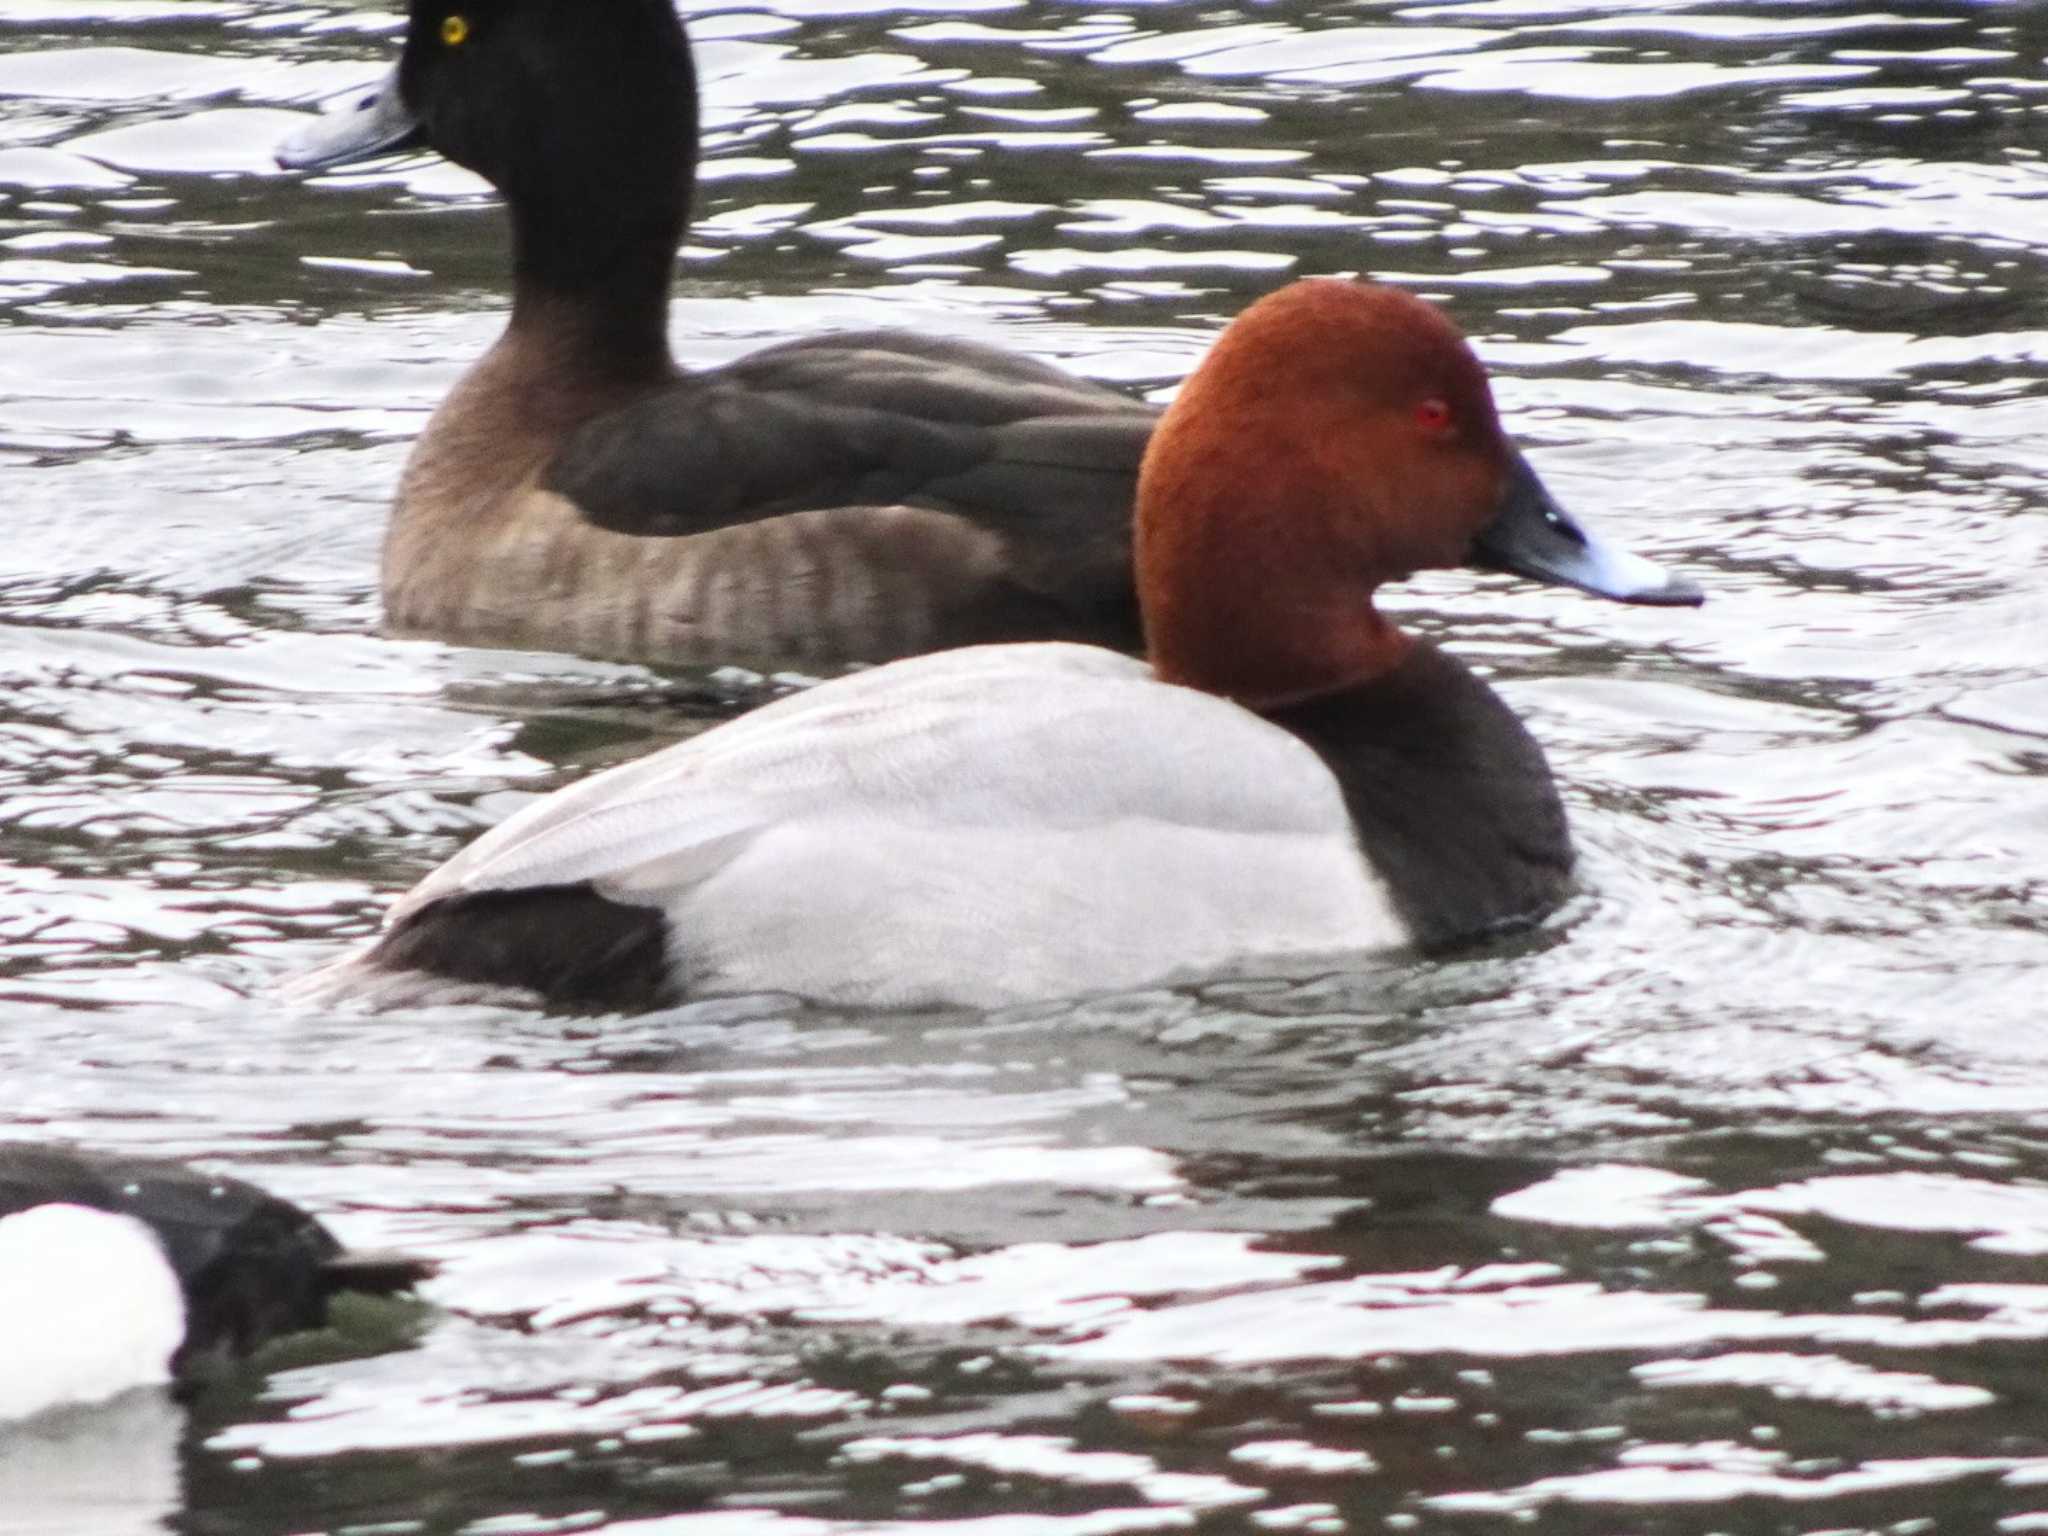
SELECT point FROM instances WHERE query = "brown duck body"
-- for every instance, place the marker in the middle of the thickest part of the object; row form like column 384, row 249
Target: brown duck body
column 781, row 522
column 852, row 497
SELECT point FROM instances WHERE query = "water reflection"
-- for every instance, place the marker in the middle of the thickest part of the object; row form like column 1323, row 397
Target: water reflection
column 1717, row 1206
column 106, row 1471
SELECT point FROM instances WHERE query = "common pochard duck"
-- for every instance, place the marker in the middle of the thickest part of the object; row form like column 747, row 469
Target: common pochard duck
column 1288, row 775
column 848, row 497
column 120, row 1272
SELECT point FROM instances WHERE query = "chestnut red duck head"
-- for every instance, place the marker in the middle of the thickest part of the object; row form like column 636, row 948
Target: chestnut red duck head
column 1337, row 436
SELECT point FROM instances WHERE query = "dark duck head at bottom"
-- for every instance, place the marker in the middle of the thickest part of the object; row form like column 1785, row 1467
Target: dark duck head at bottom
column 121, row 1272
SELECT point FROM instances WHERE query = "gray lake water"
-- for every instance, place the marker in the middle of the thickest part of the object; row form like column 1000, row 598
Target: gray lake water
column 1721, row 1206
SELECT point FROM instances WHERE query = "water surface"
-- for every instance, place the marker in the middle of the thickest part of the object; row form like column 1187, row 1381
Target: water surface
column 1721, row 1205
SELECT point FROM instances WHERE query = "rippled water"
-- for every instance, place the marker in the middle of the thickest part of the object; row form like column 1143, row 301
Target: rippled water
column 1723, row 1206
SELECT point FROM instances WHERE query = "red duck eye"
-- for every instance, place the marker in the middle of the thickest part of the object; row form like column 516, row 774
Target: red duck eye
column 1433, row 416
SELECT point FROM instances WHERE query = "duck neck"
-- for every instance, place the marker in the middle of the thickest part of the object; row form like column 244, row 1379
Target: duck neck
column 1269, row 639
column 594, row 291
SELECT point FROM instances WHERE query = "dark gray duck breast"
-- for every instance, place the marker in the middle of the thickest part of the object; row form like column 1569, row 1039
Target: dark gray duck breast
column 1449, row 794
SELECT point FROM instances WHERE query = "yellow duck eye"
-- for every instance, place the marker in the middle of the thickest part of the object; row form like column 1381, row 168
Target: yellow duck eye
column 455, row 31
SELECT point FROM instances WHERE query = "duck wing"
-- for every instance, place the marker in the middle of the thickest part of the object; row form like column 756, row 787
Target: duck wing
column 1047, row 461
